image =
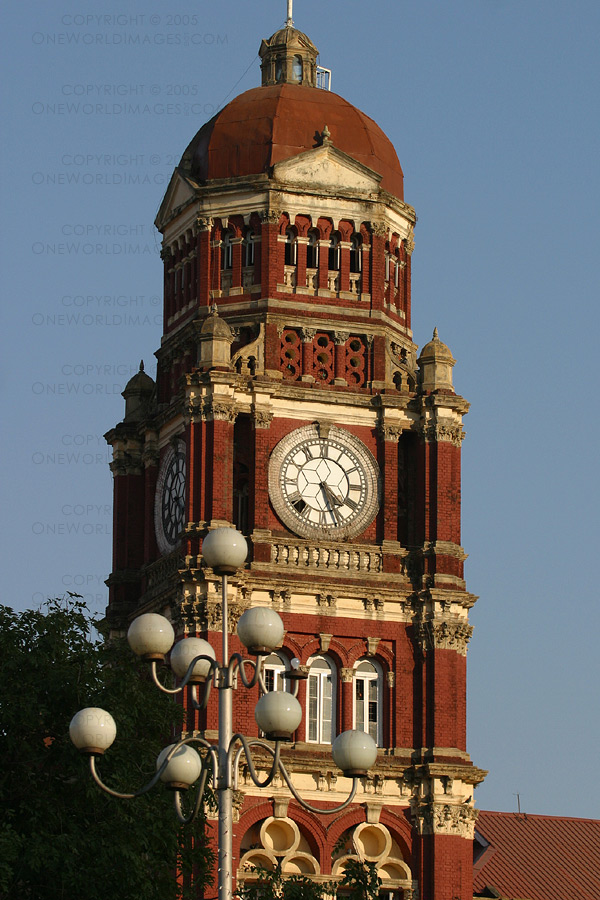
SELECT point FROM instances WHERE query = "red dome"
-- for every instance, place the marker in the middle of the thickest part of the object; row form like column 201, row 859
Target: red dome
column 266, row 125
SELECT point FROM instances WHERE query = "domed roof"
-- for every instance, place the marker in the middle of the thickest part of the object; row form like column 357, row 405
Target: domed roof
column 140, row 383
column 268, row 124
column 436, row 350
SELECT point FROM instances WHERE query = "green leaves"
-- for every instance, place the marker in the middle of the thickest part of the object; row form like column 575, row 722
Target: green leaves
column 60, row 835
column 360, row 882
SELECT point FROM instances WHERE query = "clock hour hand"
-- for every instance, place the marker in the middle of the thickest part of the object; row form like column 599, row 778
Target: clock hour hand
column 330, row 495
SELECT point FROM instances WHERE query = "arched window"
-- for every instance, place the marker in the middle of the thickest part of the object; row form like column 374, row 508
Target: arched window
column 279, row 71
column 291, row 248
column 274, row 668
column 320, row 701
column 248, row 249
column 355, row 253
column 334, row 253
column 367, row 699
column 312, row 251
column 297, row 69
column 226, row 251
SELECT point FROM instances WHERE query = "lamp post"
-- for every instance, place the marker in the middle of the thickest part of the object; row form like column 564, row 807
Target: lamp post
column 278, row 713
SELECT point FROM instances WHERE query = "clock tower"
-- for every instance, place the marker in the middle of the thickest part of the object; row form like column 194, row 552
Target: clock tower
column 292, row 403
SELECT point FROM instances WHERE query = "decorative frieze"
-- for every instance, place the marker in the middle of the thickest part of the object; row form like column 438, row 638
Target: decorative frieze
column 326, row 601
column 200, row 409
column 446, row 818
column 443, row 432
column 445, row 634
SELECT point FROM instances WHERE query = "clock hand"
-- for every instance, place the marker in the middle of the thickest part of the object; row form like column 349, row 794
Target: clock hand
column 332, row 505
column 337, row 500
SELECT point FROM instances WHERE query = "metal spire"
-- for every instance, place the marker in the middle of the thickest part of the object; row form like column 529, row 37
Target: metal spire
column 289, row 20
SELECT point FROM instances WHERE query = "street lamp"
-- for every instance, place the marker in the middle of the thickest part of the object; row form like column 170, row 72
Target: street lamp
column 278, row 713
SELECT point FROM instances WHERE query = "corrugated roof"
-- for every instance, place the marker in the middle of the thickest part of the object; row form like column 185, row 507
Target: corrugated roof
column 538, row 857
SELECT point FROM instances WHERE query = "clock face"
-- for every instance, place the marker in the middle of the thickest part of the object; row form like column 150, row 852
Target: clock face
column 169, row 504
column 324, row 487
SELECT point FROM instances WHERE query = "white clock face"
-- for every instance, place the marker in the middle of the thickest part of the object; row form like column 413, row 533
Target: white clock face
column 169, row 503
column 324, row 487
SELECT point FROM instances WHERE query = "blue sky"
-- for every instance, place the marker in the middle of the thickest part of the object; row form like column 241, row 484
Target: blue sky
column 493, row 108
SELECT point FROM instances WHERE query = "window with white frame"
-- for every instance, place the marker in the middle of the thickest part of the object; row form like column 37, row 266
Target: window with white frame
column 320, row 700
column 367, row 699
column 274, row 669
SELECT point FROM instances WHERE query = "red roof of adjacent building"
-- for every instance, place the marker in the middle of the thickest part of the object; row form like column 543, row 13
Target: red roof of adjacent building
column 268, row 124
column 537, row 857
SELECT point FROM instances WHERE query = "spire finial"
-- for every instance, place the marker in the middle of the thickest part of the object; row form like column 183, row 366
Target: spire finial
column 435, row 334
column 289, row 20
column 142, row 366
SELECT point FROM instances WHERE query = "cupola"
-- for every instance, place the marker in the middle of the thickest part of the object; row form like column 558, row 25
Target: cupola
column 138, row 393
column 288, row 57
column 436, row 362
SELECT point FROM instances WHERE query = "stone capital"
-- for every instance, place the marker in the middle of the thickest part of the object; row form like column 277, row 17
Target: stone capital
column 263, row 418
column 445, row 818
column 270, row 216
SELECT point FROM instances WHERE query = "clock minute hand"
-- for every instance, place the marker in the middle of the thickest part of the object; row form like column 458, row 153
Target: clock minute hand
column 331, row 501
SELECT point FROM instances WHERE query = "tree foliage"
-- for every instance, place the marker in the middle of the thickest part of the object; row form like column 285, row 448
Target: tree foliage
column 359, row 882
column 60, row 835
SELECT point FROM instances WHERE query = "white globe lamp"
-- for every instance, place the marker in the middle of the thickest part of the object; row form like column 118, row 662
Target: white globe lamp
column 260, row 630
column 182, row 770
column 185, row 651
column 278, row 714
column 151, row 636
column 224, row 550
column 354, row 752
column 92, row 730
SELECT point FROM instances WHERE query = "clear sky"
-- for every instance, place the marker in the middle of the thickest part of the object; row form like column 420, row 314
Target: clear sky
column 493, row 106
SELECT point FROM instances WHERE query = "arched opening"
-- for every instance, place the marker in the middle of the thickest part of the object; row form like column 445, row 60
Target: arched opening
column 368, row 683
column 297, row 69
column 320, row 701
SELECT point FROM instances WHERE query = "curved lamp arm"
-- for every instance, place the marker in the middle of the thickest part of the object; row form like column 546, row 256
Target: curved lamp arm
column 278, row 764
column 213, row 665
column 156, row 777
column 237, row 663
column 147, row 787
column 316, row 809
column 185, row 820
column 245, row 748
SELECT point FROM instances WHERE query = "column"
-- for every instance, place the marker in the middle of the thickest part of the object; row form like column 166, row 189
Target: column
column 308, row 336
column 340, row 339
column 347, row 699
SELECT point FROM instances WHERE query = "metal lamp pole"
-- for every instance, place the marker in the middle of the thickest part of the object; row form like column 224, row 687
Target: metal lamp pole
column 278, row 713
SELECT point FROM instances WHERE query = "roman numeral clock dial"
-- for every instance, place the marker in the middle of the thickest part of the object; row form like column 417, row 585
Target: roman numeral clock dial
column 324, row 487
column 169, row 503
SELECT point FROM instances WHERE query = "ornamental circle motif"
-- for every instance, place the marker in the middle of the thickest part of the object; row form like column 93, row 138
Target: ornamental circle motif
column 169, row 500
column 324, row 487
